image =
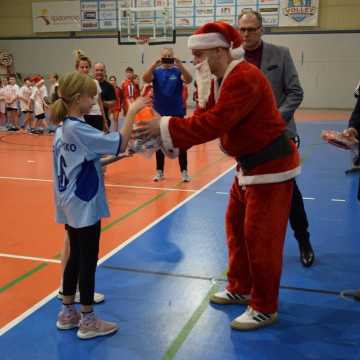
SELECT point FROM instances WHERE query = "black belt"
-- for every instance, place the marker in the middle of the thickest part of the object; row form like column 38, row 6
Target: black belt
column 279, row 148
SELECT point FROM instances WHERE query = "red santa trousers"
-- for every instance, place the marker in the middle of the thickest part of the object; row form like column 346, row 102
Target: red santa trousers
column 256, row 221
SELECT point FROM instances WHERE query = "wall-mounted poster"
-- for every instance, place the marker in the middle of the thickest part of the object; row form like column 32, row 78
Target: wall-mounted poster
column 299, row 12
column 184, row 17
column 204, row 11
column 184, row 3
column 226, row 11
column 89, row 12
column 108, row 14
column 269, row 10
column 204, row 2
column 202, row 20
column 56, row 16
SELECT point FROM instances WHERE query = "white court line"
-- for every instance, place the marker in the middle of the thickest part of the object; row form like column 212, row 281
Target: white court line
column 42, row 302
column 222, row 193
column 107, row 185
column 13, row 256
column 309, row 198
column 338, row 200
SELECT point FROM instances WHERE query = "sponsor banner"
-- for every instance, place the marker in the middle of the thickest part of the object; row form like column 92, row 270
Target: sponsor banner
column 108, row 15
column 269, row 11
column 89, row 15
column 56, row 16
column 299, row 12
column 225, row 11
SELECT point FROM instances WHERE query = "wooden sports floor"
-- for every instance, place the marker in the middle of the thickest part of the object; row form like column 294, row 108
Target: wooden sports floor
column 142, row 212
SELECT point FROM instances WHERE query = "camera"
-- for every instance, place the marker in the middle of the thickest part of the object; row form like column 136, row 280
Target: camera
column 167, row 61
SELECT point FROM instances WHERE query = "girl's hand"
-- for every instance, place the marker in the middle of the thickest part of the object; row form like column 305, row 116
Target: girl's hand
column 140, row 103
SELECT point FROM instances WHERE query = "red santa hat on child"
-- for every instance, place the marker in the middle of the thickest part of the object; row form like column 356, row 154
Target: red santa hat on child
column 217, row 34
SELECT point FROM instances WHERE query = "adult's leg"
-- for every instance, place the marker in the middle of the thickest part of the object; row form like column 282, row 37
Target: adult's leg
column 266, row 217
column 299, row 224
column 298, row 219
column 239, row 278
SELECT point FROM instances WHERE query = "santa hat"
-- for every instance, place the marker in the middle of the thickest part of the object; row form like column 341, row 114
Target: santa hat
column 217, row 34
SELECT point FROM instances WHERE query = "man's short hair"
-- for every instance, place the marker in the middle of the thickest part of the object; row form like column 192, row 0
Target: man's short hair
column 129, row 69
column 252, row 12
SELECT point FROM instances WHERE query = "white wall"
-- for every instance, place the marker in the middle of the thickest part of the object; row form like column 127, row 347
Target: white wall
column 328, row 64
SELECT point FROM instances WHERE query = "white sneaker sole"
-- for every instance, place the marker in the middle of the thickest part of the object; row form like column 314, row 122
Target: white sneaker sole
column 245, row 326
column 225, row 301
column 66, row 327
column 93, row 334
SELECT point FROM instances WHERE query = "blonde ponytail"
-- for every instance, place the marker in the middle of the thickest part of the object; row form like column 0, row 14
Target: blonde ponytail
column 70, row 85
column 58, row 111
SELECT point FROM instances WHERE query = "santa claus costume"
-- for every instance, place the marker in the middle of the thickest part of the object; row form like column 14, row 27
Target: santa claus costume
column 241, row 111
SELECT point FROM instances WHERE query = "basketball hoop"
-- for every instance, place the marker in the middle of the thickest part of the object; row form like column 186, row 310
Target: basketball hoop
column 142, row 42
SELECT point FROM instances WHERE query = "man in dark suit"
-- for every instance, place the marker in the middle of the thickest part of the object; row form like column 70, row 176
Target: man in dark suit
column 278, row 66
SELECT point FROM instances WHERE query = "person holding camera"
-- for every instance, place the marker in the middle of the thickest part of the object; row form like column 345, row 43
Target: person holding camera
column 167, row 75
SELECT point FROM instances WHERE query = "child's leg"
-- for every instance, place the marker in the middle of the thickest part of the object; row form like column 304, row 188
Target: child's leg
column 90, row 326
column 15, row 116
column 72, row 267
column 89, row 250
column 68, row 317
column 116, row 121
column 64, row 257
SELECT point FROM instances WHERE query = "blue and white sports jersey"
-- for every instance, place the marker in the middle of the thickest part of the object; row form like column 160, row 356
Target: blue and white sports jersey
column 78, row 180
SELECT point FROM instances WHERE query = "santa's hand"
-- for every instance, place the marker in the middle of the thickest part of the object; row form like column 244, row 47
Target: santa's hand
column 140, row 103
column 148, row 129
column 351, row 133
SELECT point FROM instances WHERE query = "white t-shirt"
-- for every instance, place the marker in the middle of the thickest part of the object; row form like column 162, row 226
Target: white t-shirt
column 25, row 92
column 95, row 110
column 38, row 95
column 11, row 93
column 2, row 100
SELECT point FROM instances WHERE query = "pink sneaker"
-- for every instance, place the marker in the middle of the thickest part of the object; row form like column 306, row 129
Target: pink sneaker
column 90, row 327
column 68, row 318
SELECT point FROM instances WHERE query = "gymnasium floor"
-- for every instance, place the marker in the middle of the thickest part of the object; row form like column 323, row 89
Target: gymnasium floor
column 163, row 253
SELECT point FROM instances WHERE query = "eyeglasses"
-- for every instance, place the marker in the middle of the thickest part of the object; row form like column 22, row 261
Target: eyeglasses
column 249, row 30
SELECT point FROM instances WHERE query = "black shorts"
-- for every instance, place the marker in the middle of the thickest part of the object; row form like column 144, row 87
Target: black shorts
column 11, row 109
column 40, row 116
column 27, row 112
column 96, row 121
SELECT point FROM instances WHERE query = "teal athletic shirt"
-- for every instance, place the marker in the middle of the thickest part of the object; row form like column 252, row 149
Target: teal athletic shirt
column 167, row 89
column 78, row 179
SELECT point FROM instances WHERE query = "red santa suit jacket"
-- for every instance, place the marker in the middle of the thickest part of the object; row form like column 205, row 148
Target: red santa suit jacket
column 242, row 113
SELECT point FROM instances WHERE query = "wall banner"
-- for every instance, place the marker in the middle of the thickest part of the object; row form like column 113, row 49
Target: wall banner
column 299, row 13
column 56, row 16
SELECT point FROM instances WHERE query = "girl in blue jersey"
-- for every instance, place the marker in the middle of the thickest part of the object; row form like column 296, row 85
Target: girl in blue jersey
column 80, row 196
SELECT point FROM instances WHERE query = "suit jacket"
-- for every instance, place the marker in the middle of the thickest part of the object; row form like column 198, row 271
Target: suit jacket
column 355, row 116
column 279, row 68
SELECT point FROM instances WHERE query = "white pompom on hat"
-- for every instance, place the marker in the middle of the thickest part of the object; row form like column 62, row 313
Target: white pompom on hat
column 217, row 34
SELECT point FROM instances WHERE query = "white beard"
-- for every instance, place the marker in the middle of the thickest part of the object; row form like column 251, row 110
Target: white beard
column 203, row 78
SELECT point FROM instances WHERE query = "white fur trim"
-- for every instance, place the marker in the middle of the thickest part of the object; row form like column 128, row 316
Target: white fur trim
column 267, row 178
column 207, row 41
column 167, row 144
column 237, row 53
column 227, row 72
